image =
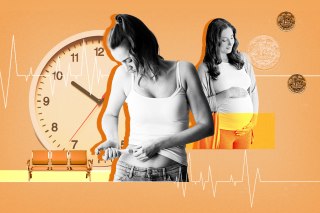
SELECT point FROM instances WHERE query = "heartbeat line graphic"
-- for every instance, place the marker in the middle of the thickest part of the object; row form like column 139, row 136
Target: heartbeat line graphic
column 245, row 178
column 12, row 54
column 95, row 70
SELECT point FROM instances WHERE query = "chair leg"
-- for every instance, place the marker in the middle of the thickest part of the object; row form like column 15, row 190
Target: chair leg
column 88, row 175
column 29, row 176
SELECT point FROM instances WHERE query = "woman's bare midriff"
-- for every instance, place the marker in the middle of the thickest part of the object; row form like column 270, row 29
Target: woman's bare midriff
column 157, row 161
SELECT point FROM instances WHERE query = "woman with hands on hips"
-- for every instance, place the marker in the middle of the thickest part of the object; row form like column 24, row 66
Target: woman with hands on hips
column 159, row 94
column 229, row 83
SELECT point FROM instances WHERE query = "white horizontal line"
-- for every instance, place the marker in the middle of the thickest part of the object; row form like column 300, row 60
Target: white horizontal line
column 290, row 181
column 286, row 75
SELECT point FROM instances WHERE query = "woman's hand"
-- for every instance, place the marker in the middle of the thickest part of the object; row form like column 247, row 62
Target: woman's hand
column 245, row 129
column 111, row 149
column 146, row 151
column 248, row 127
column 236, row 92
column 232, row 92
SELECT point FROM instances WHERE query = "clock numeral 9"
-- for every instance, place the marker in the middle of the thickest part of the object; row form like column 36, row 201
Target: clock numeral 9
column 58, row 75
column 75, row 57
column 99, row 51
column 54, row 127
column 46, row 101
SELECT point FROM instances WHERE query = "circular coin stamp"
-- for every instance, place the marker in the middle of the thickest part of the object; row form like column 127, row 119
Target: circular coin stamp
column 264, row 52
column 286, row 21
column 297, row 83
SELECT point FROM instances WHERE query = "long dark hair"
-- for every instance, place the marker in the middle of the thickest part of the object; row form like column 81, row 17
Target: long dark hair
column 213, row 41
column 142, row 43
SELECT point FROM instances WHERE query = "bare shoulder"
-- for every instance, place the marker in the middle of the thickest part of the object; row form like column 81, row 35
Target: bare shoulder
column 187, row 69
column 187, row 66
column 122, row 79
column 121, row 73
column 188, row 73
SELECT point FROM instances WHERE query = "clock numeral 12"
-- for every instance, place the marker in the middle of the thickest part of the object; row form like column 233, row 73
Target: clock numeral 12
column 99, row 51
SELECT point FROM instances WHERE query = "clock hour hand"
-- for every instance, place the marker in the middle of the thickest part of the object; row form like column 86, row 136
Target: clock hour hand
column 83, row 90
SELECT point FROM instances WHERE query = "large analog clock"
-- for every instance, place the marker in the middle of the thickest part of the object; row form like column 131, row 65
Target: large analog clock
column 67, row 92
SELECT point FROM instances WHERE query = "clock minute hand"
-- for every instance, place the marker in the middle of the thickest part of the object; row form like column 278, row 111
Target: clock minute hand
column 102, row 98
column 83, row 90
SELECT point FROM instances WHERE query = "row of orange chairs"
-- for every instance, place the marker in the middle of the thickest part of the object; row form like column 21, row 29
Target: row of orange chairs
column 59, row 160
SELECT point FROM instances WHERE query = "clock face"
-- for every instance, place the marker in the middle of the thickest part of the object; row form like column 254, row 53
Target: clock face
column 67, row 91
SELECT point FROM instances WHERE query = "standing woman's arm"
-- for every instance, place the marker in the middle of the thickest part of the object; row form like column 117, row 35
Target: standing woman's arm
column 111, row 115
column 207, row 87
column 214, row 98
column 253, row 91
column 200, row 110
column 199, row 107
column 253, row 87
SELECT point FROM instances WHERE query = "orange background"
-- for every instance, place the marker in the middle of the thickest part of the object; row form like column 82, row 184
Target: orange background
column 179, row 27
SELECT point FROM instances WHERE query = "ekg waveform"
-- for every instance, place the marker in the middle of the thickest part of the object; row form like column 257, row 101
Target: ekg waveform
column 96, row 72
column 208, row 181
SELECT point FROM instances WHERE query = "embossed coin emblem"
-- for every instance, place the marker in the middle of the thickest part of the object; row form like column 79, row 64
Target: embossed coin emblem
column 297, row 83
column 286, row 21
column 264, row 52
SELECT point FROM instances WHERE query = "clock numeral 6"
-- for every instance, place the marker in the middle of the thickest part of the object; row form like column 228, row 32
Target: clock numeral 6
column 54, row 127
column 58, row 75
column 46, row 101
column 99, row 51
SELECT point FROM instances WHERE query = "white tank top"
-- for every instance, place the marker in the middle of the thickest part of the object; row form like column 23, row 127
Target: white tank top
column 234, row 113
column 153, row 118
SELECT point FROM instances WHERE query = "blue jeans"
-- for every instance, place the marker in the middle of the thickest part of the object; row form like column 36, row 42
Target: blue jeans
column 127, row 172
